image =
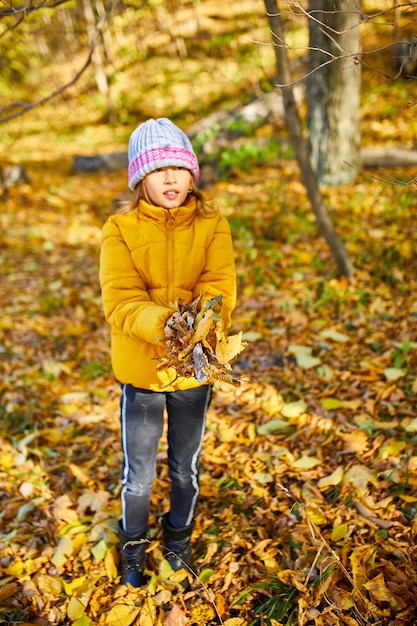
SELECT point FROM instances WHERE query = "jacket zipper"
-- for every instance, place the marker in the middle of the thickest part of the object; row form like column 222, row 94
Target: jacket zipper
column 170, row 225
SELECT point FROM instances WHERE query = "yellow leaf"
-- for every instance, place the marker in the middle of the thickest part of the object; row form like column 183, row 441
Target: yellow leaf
column 110, row 563
column 75, row 608
column 205, row 575
column 334, row 335
column 259, row 492
column 74, row 584
column 16, row 568
column 263, row 477
column 75, row 329
column 267, row 556
column 79, row 473
column 179, row 575
column 357, row 441
column 63, row 551
column 359, row 476
column 340, row 532
column 202, row 614
column 294, row 409
column 163, row 597
column 49, row 584
column 94, row 500
column 332, row 479
column 393, row 373
column 121, row 615
column 74, row 397
column 55, row 368
column 411, row 427
column 53, row 435
column 272, row 427
column 252, row 336
column 380, row 592
column 165, row 570
column 228, row 349
column 251, row 430
column 63, row 509
column 315, row 514
column 235, row 621
column 305, row 462
column 7, row 460
column 68, row 409
column 303, row 356
column 391, row 448
column 99, row 550
column 406, row 498
column 147, row 615
column 360, row 558
column 331, row 403
column 203, row 326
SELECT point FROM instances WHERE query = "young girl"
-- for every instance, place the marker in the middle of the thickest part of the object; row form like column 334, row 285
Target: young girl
column 166, row 245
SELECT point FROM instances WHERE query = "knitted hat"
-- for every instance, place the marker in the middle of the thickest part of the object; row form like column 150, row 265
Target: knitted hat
column 159, row 143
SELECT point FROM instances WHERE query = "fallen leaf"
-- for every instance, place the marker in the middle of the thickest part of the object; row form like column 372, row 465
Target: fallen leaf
column 305, row 462
column 335, row 478
column 121, row 615
column 176, row 617
column 394, row 373
column 360, row 476
column 303, row 356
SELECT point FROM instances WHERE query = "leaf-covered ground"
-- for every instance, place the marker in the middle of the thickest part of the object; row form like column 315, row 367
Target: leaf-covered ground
column 309, row 488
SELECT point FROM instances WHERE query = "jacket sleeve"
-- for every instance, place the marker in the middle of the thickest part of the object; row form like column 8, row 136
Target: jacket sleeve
column 126, row 302
column 219, row 273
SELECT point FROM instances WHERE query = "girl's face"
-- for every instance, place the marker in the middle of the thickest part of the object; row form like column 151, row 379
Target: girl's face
column 168, row 187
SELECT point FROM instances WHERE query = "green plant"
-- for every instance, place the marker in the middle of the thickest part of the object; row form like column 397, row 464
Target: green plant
column 94, row 369
column 12, row 617
column 401, row 355
column 279, row 603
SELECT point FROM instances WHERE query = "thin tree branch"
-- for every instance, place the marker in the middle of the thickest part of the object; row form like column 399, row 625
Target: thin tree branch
column 390, row 180
column 357, row 57
column 30, row 8
column 24, row 107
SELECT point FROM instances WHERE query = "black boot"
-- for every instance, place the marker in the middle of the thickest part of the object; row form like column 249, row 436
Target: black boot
column 177, row 542
column 133, row 555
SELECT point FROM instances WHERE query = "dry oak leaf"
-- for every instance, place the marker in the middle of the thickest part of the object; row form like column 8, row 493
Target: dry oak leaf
column 379, row 591
column 197, row 345
column 227, row 349
column 10, row 589
column 176, row 617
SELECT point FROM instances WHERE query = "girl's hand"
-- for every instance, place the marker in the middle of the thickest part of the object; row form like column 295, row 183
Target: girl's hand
column 169, row 332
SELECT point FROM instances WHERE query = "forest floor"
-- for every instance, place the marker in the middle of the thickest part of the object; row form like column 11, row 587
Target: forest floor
column 308, row 500
column 308, row 486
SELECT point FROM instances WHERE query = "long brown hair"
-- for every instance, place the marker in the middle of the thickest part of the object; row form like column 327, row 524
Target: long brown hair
column 203, row 207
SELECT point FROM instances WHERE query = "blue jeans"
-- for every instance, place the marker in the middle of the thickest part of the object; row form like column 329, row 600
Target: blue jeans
column 142, row 421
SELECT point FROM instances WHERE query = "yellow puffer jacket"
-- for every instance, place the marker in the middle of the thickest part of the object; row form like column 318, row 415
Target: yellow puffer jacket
column 149, row 259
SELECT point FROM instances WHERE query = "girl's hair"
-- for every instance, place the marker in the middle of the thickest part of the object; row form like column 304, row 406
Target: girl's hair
column 203, row 207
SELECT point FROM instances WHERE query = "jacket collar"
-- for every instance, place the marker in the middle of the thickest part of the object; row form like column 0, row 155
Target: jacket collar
column 181, row 215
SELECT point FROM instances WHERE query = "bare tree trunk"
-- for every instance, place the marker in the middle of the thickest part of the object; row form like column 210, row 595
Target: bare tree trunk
column 99, row 61
column 333, row 90
column 299, row 144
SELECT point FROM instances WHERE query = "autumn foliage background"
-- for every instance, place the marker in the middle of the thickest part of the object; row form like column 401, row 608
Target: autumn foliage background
column 308, row 490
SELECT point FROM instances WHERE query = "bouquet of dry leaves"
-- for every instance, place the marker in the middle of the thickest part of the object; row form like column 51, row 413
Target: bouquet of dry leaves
column 197, row 345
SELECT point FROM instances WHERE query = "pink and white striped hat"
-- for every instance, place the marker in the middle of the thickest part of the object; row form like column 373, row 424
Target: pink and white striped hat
column 159, row 143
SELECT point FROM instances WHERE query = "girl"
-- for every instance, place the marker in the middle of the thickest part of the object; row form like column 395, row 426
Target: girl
column 166, row 244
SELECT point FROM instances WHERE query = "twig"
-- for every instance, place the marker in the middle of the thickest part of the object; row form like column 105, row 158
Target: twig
column 26, row 106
